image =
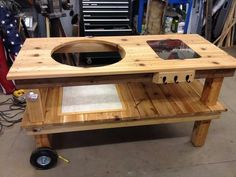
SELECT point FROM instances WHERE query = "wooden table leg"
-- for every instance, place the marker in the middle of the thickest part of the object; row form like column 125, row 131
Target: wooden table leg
column 209, row 97
column 211, row 91
column 36, row 107
column 199, row 134
column 42, row 141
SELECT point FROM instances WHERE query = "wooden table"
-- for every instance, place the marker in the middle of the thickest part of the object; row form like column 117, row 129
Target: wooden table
column 146, row 97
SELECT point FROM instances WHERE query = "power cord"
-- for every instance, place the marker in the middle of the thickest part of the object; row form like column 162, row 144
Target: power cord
column 9, row 117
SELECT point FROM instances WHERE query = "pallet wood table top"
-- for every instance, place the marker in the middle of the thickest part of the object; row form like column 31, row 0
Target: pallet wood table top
column 35, row 62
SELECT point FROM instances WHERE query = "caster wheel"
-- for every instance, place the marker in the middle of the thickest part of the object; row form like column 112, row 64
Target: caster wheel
column 43, row 158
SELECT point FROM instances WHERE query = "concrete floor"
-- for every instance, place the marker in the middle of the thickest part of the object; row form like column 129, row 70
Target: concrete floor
column 151, row 151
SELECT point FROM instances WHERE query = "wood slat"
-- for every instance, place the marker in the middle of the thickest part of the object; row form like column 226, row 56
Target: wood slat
column 34, row 60
column 192, row 98
column 175, row 97
column 47, row 129
column 160, row 100
column 197, row 87
column 111, row 79
column 52, row 105
column 35, row 108
column 141, row 101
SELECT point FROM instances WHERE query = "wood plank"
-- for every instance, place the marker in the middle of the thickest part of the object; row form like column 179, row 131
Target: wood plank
column 35, row 106
column 184, row 99
column 127, row 99
column 173, row 77
column 197, row 86
column 54, row 115
column 161, row 101
column 76, row 81
column 52, row 105
column 34, row 60
column 26, row 121
column 47, row 129
column 214, row 73
column 111, row 79
column 192, row 98
column 141, row 101
column 44, row 94
column 154, row 19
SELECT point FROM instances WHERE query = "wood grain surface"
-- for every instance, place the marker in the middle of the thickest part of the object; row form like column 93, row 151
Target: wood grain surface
column 141, row 101
column 34, row 60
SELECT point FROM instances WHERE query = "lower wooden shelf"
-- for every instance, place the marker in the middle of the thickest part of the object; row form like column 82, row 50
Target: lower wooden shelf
column 144, row 104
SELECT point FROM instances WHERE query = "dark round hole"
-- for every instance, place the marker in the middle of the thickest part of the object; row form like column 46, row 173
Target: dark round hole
column 89, row 53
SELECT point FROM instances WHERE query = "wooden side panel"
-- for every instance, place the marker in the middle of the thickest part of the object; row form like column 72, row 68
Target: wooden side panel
column 104, row 125
column 110, row 79
column 52, row 105
column 35, row 108
column 44, row 94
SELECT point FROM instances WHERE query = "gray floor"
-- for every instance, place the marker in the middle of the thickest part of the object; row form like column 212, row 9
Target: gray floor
column 151, row 151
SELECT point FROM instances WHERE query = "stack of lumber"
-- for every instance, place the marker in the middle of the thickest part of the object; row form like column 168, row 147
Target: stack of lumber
column 154, row 16
column 226, row 39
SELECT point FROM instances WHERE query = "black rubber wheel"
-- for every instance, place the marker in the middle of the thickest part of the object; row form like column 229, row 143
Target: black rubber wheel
column 43, row 158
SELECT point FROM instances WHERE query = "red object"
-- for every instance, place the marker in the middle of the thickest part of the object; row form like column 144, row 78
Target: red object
column 7, row 86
